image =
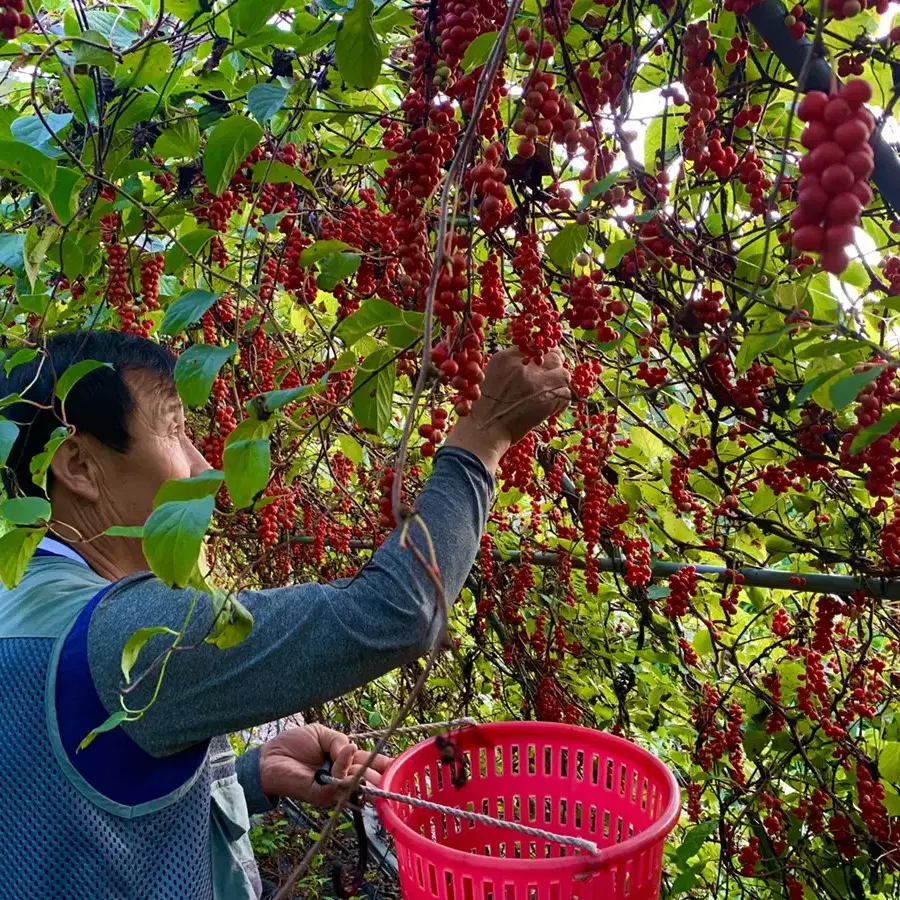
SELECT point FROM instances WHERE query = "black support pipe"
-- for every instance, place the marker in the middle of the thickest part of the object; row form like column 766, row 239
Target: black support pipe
column 768, row 19
column 770, row 579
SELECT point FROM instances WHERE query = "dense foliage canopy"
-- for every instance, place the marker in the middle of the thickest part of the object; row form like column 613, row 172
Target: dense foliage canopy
column 332, row 212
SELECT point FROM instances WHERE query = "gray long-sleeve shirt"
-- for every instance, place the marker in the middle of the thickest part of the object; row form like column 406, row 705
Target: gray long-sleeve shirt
column 309, row 642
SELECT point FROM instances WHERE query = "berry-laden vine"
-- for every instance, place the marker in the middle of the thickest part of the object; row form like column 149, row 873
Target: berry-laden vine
column 283, row 194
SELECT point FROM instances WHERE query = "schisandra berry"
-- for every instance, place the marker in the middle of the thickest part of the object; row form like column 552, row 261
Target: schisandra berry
column 834, row 186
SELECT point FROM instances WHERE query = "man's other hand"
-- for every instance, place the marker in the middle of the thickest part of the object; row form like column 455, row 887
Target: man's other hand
column 288, row 763
column 515, row 398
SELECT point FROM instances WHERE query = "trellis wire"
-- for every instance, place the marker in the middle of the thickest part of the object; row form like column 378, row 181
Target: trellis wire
column 413, row 729
column 772, row 579
column 580, row 843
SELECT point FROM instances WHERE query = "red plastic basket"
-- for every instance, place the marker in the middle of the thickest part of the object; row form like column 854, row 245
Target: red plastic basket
column 559, row 778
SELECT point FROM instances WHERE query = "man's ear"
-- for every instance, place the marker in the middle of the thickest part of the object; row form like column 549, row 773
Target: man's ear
column 75, row 467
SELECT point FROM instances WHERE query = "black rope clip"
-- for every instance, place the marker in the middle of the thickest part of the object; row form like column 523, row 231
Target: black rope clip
column 342, row 890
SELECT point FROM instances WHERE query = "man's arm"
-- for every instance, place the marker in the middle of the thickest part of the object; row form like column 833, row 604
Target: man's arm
column 309, row 643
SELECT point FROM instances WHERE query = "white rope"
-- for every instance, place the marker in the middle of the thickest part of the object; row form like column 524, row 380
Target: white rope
column 412, row 729
column 580, row 843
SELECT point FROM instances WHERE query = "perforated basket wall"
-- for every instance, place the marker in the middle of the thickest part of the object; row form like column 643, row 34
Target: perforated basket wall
column 559, row 778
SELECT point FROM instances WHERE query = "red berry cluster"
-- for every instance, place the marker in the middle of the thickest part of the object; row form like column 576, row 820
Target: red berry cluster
column 613, row 67
column 781, row 623
column 385, row 504
column 688, row 653
column 744, row 117
column 694, row 790
column 741, row 7
column 697, row 45
column 590, row 305
column 737, row 51
column 491, row 300
column 535, row 329
column 216, row 211
column 556, row 17
column 488, row 180
column 517, row 465
column 871, row 803
column 682, row 590
column 708, row 308
column 834, row 188
column 12, row 18
column 462, row 366
column 841, row 829
column 796, row 27
column 752, row 176
column 775, row 721
column 852, row 64
column 531, row 49
column 847, row 9
column 434, row 431
column 881, row 455
column 584, row 378
column 151, row 271
column 637, row 562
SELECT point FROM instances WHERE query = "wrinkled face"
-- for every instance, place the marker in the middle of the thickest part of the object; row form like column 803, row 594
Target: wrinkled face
column 159, row 450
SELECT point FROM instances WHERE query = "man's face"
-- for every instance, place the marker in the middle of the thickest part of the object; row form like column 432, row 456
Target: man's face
column 159, row 450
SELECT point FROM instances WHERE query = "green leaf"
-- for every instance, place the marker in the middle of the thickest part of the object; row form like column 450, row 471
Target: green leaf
column 272, row 400
column 229, row 144
column 19, row 358
column 345, row 362
column 478, row 51
column 25, row 510
column 373, row 391
column 871, row 434
column 149, row 65
column 41, row 462
column 180, row 140
column 80, row 95
column 29, row 166
column 205, row 484
column 116, row 719
column 694, row 839
column 335, row 267
column 196, row 370
column 813, row 385
column 601, row 187
column 16, row 549
column 233, row 622
column 320, row 249
column 45, row 138
column 653, row 142
column 565, row 245
column 125, row 531
column 246, row 466
column 889, row 762
column 173, row 538
column 74, row 374
column 193, row 242
column 351, row 448
column 63, row 199
column 9, row 431
column 371, row 314
column 685, row 881
column 136, row 643
column 279, row 173
column 12, row 252
column 616, row 251
column 264, row 100
column 248, row 16
column 89, row 55
column 842, row 393
column 357, row 50
column 186, row 310
column 362, row 156
column 758, row 342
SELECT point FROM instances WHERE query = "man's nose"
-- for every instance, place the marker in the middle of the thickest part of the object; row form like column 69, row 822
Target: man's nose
column 198, row 462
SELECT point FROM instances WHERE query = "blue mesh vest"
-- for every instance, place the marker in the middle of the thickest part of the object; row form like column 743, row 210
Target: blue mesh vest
column 108, row 822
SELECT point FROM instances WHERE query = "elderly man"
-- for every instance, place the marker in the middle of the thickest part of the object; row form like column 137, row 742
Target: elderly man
column 157, row 809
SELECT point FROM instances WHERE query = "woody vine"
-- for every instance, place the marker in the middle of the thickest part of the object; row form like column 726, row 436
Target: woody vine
column 333, row 213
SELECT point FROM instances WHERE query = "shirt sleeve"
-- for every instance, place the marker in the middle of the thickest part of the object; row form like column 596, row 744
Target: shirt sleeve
column 247, row 770
column 309, row 643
